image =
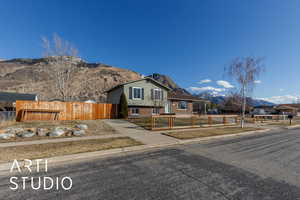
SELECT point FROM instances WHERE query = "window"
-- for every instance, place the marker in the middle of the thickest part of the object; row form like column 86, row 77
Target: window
column 155, row 111
column 157, row 94
column 137, row 93
column 182, row 105
column 135, row 111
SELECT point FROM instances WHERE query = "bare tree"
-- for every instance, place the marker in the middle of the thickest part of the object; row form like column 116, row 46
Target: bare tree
column 245, row 71
column 59, row 54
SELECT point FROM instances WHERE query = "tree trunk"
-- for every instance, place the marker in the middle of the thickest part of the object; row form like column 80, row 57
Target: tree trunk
column 243, row 108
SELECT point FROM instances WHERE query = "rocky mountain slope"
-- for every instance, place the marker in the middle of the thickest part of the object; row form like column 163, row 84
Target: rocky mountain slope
column 90, row 81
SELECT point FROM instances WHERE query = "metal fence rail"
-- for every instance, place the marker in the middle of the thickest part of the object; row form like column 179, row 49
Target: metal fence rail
column 7, row 116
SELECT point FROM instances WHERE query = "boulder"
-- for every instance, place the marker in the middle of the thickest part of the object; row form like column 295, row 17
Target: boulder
column 14, row 130
column 56, row 132
column 42, row 131
column 81, row 126
column 78, row 132
column 26, row 134
column 6, row 136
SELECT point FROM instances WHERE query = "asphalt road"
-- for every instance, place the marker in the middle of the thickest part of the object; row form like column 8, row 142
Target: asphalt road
column 262, row 166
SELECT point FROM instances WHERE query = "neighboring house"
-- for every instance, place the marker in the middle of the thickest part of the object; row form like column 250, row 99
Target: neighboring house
column 294, row 105
column 147, row 97
column 264, row 110
column 186, row 104
column 286, row 110
column 144, row 97
column 8, row 99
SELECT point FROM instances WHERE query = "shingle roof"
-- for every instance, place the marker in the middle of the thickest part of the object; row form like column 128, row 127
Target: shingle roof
column 12, row 97
column 178, row 95
column 146, row 78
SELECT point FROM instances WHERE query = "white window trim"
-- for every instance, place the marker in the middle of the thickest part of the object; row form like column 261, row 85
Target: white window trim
column 155, row 113
column 157, row 89
column 133, row 93
column 135, row 113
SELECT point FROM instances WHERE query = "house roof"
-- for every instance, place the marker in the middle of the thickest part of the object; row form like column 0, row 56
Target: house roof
column 284, row 107
column 12, row 97
column 146, row 78
column 179, row 95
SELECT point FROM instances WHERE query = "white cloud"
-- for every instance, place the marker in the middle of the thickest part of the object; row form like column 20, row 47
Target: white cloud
column 208, row 88
column 282, row 99
column 257, row 81
column 281, row 90
column 225, row 84
column 204, row 81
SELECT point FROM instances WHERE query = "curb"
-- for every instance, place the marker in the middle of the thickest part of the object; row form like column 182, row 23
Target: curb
column 293, row 127
column 5, row 167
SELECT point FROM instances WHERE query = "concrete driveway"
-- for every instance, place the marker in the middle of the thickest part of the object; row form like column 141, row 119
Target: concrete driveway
column 261, row 166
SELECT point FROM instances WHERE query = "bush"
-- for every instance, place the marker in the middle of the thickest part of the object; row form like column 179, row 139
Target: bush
column 123, row 107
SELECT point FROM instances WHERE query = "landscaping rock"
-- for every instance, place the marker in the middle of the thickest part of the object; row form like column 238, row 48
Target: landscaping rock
column 26, row 134
column 68, row 132
column 6, row 136
column 81, row 126
column 56, row 132
column 78, row 132
column 42, row 132
column 14, row 130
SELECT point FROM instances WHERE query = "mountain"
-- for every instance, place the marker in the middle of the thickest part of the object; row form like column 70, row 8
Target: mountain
column 221, row 99
column 90, row 81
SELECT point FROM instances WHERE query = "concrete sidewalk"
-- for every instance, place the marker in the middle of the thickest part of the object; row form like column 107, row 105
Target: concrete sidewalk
column 140, row 134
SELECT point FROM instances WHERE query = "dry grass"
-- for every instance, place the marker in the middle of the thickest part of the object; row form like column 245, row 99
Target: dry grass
column 208, row 132
column 284, row 123
column 63, row 148
column 96, row 127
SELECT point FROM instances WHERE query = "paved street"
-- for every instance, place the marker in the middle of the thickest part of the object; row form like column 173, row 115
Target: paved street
column 261, row 166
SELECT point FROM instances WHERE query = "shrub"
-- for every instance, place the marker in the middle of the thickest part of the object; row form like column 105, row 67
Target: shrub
column 123, row 107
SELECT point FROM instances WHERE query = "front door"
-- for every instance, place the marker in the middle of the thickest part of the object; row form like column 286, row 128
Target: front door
column 168, row 107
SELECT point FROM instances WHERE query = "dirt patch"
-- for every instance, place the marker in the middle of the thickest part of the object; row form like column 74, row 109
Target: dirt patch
column 63, row 148
column 209, row 132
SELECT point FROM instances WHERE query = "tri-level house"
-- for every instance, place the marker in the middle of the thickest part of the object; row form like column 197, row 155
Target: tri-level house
column 144, row 97
column 147, row 97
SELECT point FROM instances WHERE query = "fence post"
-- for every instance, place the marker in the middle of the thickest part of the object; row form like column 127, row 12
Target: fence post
column 224, row 120
column 209, row 120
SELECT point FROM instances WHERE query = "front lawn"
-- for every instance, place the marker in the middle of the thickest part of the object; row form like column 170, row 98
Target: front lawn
column 184, row 135
column 63, row 148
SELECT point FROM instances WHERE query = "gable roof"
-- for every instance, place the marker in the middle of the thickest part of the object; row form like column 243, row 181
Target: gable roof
column 12, row 97
column 146, row 78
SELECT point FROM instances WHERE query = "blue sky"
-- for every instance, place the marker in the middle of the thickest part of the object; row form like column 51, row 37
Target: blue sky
column 188, row 40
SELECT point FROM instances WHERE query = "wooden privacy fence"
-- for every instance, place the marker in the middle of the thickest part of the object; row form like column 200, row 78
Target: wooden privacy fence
column 43, row 110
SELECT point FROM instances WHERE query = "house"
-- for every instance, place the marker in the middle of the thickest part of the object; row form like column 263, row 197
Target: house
column 146, row 97
column 8, row 99
column 294, row 105
column 263, row 110
column 286, row 110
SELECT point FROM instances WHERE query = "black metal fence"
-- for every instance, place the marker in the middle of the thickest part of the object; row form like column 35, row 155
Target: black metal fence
column 7, row 116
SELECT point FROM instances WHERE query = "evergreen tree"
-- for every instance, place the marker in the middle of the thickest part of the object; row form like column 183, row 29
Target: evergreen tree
column 123, row 107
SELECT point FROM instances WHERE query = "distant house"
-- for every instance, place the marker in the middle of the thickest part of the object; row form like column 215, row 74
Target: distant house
column 294, row 105
column 286, row 110
column 148, row 97
column 264, row 110
column 8, row 99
